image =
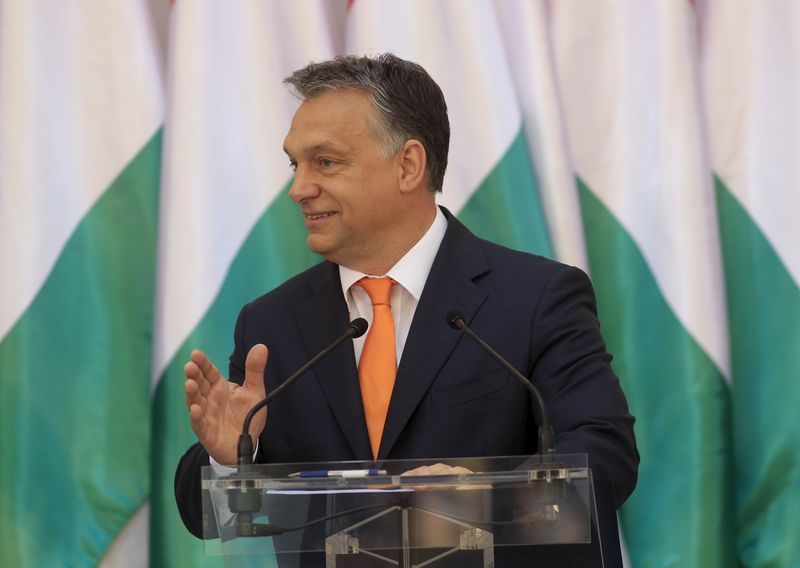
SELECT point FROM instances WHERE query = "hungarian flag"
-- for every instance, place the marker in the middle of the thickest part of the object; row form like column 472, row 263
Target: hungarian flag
column 628, row 80
column 751, row 74
column 81, row 109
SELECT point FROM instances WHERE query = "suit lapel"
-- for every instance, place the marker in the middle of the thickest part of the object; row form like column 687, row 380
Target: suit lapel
column 321, row 320
column 431, row 340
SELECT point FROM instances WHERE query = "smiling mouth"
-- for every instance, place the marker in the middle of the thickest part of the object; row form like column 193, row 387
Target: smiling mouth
column 315, row 216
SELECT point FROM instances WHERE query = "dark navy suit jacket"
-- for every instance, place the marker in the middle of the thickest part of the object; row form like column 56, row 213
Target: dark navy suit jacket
column 450, row 399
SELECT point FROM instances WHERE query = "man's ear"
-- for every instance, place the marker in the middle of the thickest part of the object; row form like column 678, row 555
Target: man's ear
column 412, row 161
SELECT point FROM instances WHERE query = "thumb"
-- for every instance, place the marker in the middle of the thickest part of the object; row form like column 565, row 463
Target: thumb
column 254, row 367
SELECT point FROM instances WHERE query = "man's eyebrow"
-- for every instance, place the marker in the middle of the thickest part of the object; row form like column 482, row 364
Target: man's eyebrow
column 325, row 146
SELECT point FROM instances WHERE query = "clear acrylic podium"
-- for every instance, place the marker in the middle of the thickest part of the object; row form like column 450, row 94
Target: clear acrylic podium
column 507, row 507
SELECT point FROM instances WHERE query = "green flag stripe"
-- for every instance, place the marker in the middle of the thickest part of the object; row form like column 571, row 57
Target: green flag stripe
column 506, row 208
column 681, row 403
column 74, row 428
column 764, row 312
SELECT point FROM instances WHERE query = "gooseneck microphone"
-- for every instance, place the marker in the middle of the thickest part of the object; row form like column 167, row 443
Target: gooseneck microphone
column 546, row 437
column 357, row 328
column 245, row 501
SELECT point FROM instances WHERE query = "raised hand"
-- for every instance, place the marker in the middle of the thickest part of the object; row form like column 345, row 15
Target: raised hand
column 217, row 407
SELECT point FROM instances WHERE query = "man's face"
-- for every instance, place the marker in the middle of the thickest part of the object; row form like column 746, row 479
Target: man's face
column 346, row 187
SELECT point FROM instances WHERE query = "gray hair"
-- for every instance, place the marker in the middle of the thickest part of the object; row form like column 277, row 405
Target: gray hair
column 408, row 102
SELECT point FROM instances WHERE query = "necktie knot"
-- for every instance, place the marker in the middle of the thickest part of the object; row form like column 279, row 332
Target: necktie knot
column 378, row 289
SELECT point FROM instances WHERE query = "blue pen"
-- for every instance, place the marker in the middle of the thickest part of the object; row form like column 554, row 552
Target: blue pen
column 352, row 473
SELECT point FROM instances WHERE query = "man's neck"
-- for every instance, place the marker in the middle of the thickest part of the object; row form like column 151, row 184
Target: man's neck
column 389, row 256
column 411, row 271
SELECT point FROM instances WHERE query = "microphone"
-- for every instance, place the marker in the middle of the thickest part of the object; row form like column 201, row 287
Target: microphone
column 357, row 328
column 246, row 500
column 546, row 436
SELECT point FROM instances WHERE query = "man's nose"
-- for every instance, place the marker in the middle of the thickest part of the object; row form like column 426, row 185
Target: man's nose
column 303, row 186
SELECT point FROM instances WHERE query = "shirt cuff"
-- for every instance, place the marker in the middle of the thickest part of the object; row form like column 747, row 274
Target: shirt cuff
column 221, row 469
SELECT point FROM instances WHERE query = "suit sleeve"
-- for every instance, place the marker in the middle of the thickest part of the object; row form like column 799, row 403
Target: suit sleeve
column 572, row 369
column 188, row 488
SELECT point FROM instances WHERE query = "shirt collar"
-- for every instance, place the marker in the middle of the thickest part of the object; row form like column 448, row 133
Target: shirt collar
column 412, row 270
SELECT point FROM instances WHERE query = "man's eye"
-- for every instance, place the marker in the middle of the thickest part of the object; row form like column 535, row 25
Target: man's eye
column 325, row 163
column 293, row 166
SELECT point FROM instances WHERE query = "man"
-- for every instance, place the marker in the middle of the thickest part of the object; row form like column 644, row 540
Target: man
column 369, row 148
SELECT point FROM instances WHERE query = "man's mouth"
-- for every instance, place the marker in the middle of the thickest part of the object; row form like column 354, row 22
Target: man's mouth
column 315, row 216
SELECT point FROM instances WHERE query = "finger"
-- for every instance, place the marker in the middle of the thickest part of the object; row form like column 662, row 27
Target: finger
column 194, row 374
column 421, row 470
column 437, row 469
column 192, row 392
column 207, row 369
column 254, row 368
column 444, row 469
column 197, row 421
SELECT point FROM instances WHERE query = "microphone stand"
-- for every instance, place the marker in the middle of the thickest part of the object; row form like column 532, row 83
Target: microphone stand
column 546, row 435
column 246, row 500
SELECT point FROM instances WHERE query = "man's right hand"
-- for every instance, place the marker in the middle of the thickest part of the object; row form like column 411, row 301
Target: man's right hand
column 217, row 407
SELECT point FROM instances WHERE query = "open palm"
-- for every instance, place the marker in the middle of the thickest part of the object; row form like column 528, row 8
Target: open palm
column 217, row 407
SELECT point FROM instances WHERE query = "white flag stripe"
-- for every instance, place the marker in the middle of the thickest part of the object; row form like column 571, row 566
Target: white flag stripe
column 224, row 162
column 525, row 32
column 462, row 50
column 637, row 140
column 751, row 48
column 129, row 549
column 75, row 108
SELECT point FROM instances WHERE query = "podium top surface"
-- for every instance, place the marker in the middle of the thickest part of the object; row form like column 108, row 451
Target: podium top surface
column 400, row 474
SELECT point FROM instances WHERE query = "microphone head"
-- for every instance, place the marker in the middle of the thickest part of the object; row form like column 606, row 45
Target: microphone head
column 359, row 327
column 454, row 318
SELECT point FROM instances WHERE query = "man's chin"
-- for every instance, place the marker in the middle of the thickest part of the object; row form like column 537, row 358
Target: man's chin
column 317, row 245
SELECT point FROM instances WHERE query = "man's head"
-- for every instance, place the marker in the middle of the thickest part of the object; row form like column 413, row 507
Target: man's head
column 408, row 103
column 363, row 173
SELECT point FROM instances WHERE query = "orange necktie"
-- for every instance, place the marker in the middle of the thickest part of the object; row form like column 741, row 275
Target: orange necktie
column 378, row 365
